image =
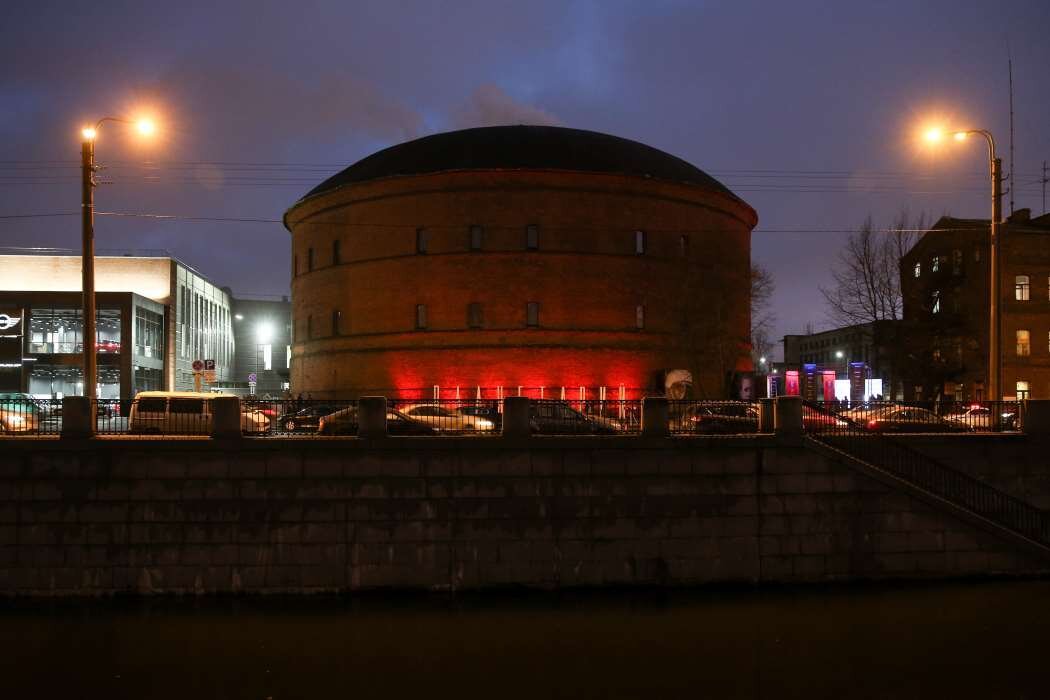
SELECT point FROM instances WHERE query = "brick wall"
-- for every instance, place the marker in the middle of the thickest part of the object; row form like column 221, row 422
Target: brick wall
column 317, row 515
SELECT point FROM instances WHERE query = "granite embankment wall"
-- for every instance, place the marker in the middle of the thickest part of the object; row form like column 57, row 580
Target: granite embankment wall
column 101, row 516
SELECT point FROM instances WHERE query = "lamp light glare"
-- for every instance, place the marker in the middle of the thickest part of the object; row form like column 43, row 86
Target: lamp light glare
column 960, row 135
column 88, row 133
column 264, row 332
column 933, row 135
column 146, row 127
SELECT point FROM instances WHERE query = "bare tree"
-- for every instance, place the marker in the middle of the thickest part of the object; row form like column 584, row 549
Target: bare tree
column 866, row 281
column 762, row 317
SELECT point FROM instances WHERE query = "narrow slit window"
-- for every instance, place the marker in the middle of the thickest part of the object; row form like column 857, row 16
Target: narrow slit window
column 422, row 240
column 1022, row 288
column 532, row 314
column 477, row 236
column 532, row 237
column 336, row 252
column 421, row 316
column 639, row 316
column 337, row 321
column 474, row 318
column 639, row 242
column 309, row 259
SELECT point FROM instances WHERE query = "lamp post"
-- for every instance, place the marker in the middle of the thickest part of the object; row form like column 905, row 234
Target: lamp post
column 995, row 167
column 87, row 228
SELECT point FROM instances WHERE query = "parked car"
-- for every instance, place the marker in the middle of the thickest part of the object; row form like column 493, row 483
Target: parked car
column 558, row 417
column 344, row 422
column 909, row 419
column 979, row 417
column 305, row 419
column 489, row 411
column 183, row 413
column 19, row 413
column 445, row 419
column 720, row 418
column 814, row 420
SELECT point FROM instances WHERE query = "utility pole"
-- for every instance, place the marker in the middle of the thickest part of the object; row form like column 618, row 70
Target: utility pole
column 1044, row 186
column 87, row 203
column 994, row 335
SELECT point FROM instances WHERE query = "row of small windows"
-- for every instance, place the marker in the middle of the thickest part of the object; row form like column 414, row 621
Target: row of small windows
column 475, row 317
column 939, row 261
column 1024, row 342
column 476, row 241
column 1023, row 288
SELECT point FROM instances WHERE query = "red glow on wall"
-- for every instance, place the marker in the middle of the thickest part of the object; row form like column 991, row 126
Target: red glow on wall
column 791, row 383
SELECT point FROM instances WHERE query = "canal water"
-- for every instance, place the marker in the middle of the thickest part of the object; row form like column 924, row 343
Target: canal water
column 960, row 640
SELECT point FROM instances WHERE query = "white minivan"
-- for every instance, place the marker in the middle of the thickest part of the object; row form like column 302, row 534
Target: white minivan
column 183, row 413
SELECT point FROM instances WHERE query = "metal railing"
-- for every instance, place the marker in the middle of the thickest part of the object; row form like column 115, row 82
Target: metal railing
column 24, row 415
column 583, row 417
column 884, row 453
column 704, row 417
column 927, row 416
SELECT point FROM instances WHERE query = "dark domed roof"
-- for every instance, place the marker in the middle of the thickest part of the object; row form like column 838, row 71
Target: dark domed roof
column 521, row 148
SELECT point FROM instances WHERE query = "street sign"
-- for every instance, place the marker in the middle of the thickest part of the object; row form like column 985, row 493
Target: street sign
column 209, row 376
column 252, row 378
column 209, row 365
column 197, row 365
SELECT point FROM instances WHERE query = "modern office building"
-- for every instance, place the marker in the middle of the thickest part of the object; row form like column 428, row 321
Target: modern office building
column 155, row 316
column 531, row 260
column 857, row 358
column 944, row 281
column 262, row 347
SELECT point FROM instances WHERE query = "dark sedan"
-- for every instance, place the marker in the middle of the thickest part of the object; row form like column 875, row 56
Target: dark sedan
column 305, row 419
column 909, row 419
column 721, row 418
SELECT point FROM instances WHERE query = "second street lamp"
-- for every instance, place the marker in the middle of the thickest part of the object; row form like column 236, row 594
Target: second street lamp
column 87, row 203
column 995, row 167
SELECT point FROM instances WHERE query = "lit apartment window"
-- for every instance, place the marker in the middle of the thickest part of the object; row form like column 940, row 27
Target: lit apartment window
column 957, row 262
column 935, row 263
column 918, row 269
column 532, row 237
column 421, row 316
column 639, row 316
column 532, row 314
column 639, row 242
column 474, row 314
column 977, row 254
column 1022, row 289
column 337, row 318
column 1024, row 343
column 336, row 252
column 936, row 305
column 309, row 259
column 477, row 236
column 1021, row 388
column 422, row 240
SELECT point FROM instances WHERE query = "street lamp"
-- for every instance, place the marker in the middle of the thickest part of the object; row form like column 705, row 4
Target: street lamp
column 995, row 167
column 87, row 204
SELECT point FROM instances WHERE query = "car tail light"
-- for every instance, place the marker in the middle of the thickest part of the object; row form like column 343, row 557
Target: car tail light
column 873, row 424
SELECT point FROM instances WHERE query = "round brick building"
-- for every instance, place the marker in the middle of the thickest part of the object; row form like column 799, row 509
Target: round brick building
column 536, row 259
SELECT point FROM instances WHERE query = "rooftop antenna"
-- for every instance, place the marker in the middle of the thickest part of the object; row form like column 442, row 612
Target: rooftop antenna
column 1010, row 69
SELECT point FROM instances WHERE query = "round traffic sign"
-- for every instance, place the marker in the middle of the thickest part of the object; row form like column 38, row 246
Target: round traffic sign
column 198, row 365
column 252, row 378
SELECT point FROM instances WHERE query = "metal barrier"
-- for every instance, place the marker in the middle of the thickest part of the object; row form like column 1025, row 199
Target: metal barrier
column 856, row 440
column 21, row 414
column 922, row 416
column 702, row 417
column 449, row 416
column 557, row 417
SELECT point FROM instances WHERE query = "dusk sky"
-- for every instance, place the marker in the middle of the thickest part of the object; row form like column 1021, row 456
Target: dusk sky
column 807, row 110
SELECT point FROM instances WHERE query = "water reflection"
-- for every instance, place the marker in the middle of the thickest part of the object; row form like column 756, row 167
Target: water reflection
column 962, row 640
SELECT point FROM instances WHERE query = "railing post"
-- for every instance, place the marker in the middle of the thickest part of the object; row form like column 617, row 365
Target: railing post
column 656, row 416
column 766, row 415
column 225, row 417
column 1036, row 416
column 516, row 421
column 787, row 421
column 371, row 417
column 78, row 417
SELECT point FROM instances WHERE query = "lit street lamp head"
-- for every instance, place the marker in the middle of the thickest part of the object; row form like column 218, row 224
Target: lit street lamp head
column 146, row 127
column 934, row 135
column 89, row 133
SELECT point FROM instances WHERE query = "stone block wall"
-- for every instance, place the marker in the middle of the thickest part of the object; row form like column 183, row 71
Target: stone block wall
column 107, row 516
